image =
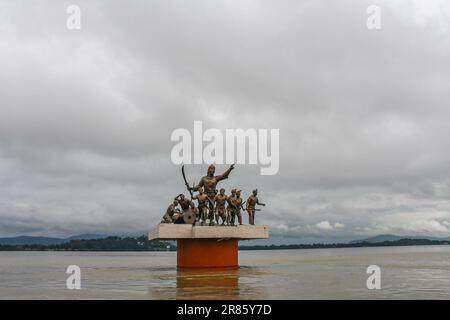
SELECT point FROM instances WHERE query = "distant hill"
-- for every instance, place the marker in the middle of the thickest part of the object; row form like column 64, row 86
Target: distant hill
column 287, row 240
column 29, row 240
column 391, row 237
column 396, row 243
column 86, row 236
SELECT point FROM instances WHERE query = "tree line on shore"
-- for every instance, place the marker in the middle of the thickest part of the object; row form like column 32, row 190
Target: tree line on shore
column 362, row 244
column 114, row 243
column 142, row 243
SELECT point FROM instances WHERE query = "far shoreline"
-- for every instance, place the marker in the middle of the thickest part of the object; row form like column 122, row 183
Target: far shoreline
column 117, row 244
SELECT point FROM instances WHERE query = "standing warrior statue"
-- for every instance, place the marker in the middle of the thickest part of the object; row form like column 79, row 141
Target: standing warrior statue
column 238, row 205
column 231, row 207
column 202, row 207
column 251, row 202
column 219, row 201
column 209, row 183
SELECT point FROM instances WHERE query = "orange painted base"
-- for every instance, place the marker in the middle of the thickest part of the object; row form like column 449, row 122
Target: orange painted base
column 207, row 253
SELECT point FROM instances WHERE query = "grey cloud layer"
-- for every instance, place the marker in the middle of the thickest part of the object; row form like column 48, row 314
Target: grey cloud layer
column 86, row 116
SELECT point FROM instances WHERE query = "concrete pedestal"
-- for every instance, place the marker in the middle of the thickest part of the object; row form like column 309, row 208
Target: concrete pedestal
column 207, row 246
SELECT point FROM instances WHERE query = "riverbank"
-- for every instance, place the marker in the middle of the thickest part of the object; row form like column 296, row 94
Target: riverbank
column 130, row 244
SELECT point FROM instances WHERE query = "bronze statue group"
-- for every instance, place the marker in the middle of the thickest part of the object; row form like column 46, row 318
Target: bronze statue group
column 213, row 207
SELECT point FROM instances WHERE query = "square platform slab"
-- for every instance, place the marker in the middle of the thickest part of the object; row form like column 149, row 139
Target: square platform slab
column 169, row 231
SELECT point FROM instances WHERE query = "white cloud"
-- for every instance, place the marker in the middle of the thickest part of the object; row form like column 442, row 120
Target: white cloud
column 427, row 226
column 338, row 225
column 326, row 225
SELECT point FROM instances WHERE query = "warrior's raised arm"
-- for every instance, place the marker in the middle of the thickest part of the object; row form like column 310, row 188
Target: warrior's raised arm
column 212, row 180
column 225, row 175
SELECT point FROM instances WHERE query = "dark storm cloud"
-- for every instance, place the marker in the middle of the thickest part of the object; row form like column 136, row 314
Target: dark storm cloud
column 86, row 115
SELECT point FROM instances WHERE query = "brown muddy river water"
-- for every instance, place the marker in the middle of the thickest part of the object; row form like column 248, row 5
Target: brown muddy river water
column 420, row 272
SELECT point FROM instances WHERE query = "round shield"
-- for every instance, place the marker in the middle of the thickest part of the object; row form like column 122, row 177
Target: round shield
column 189, row 216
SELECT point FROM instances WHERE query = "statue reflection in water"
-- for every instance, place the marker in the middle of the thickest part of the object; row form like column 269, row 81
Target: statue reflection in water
column 215, row 283
column 219, row 283
column 208, row 284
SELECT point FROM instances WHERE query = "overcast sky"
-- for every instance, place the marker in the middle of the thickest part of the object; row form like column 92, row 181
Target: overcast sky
column 364, row 115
